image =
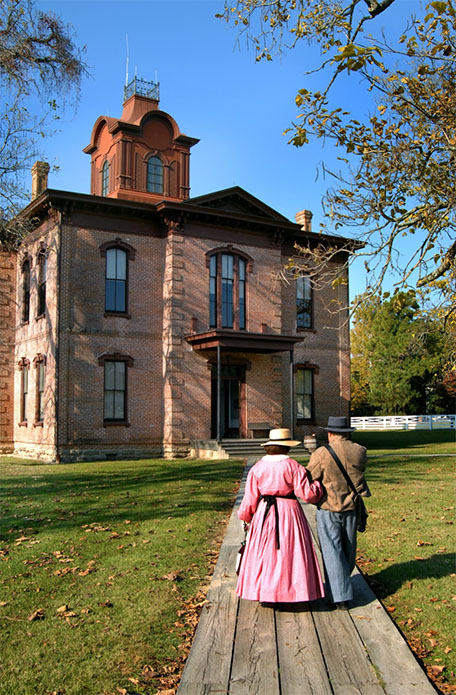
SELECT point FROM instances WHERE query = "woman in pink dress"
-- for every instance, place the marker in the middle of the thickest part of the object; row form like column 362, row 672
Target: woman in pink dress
column 279, row 563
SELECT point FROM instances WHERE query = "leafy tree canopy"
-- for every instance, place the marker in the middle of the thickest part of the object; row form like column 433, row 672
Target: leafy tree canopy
column 38, row 62
column 401, row 358
column 397, row 165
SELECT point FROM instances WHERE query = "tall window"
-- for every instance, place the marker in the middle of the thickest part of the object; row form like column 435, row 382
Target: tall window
column 114, row 390
column 105, row 178
column 42, row 274
column 115, row 387
column 155, row 175
column 227, row 291
column 24, row 366
column 117, row 255
column 116, row 280
column 25, row 290
column 40, row 366
column 304, row 394
column 304, row 302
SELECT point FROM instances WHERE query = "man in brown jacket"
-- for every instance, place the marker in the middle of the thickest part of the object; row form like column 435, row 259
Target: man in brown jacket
column 336, row 515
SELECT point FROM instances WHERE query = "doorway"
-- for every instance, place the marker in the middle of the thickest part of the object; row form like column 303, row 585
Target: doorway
column 232, row 384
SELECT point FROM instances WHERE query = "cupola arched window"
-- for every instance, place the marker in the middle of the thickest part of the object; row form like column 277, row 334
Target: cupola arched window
column 154, row 175
column 228, row 289
column 105, row 178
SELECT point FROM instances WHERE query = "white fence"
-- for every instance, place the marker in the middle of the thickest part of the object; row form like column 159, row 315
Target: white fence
column 405, row 422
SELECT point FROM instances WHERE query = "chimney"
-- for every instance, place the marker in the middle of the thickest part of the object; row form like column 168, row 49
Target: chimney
column 304, row 218
column 40, row 172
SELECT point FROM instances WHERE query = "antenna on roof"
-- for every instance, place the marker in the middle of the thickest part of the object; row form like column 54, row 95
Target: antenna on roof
column 128, row 57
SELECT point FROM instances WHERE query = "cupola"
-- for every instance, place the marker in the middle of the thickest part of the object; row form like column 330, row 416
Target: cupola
column 142, row 156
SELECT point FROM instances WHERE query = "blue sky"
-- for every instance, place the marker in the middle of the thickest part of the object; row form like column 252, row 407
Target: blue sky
column 211, row 84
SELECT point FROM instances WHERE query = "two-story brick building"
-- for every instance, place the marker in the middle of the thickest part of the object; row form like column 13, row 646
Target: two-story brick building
column 143, row 321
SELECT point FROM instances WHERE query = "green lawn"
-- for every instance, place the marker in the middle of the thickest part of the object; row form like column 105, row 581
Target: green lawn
column 101, row 567
column 409, row 552
column 407, row 441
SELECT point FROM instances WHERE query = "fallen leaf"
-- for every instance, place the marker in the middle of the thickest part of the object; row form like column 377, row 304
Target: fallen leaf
column 437, row 669
column 417, row 557
column 37, row 615
column 447, row 650
column 63, row 609
column 390, row 609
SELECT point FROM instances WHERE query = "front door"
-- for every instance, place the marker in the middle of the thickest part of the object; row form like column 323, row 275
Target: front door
column 230, row 397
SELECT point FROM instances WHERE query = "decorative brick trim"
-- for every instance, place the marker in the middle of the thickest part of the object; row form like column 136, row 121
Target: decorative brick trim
column 117, row 243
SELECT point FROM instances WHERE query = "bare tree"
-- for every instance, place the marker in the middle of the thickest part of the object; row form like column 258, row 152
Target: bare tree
column 38, row 61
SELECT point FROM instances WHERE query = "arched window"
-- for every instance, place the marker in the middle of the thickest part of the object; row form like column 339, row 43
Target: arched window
column 227, row 289
column 42, row 276
column 105, row 178
column 117, row 254
column 303, row 302
column 155, row 175
column 116, row 280
column 25, row 311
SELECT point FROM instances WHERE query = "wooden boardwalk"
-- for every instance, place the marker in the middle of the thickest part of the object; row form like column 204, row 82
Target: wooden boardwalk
column 242, row 648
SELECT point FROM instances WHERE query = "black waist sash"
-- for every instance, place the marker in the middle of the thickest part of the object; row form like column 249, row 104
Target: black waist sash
column 271, row 501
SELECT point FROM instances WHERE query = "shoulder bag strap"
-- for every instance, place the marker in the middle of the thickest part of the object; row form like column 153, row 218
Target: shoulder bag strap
column 342, row 469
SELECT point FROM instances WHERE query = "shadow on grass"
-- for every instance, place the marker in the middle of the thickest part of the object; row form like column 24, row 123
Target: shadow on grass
column 407, row 470
column 391, row 579
column 71, row 497
column 403, row 439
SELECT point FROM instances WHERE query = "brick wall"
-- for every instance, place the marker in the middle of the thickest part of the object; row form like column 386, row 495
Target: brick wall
column 7, row 318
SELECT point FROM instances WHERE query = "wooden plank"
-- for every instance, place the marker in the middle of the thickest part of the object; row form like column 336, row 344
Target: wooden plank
column 302, row 669
column 255, row 669
column 207, row 669
column 391, row 655
column 350, row 671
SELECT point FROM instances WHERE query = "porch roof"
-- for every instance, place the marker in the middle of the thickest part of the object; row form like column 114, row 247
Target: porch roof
column 242, row 341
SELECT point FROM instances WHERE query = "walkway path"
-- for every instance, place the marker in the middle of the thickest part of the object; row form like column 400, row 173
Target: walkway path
column 242, row 648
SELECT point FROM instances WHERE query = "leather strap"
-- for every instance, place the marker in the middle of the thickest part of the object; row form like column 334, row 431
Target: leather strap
column 342, row 469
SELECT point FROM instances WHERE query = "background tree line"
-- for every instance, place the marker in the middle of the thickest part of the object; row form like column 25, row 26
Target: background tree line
column 403, row 357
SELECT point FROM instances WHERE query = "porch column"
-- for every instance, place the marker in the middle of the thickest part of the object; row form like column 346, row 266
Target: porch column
column 219, row 393
column 292, row 395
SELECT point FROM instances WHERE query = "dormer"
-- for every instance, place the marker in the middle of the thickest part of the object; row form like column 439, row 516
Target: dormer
column 143, row 156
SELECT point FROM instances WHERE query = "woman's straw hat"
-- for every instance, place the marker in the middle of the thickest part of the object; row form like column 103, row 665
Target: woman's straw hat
column 280, row 437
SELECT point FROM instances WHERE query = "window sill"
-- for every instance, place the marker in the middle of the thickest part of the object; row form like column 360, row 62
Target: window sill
column 25, row 323
column 24, row 423
column 116, row 423
column 305, row 421
column 39, row 317
column 38, row 423
column 305, row 330
column 118, row 314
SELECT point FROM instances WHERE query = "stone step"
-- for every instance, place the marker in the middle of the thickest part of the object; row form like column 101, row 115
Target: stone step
column 245, row 448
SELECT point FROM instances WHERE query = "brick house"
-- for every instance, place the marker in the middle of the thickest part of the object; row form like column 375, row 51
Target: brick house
column 140, row 321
